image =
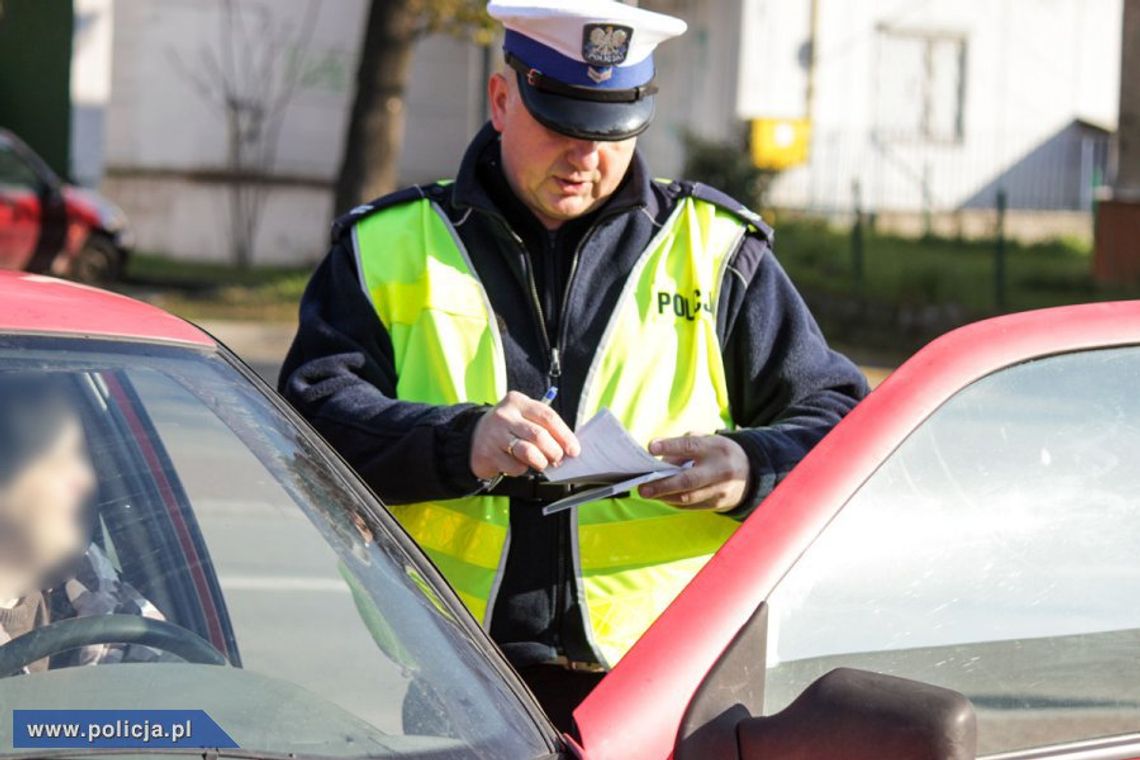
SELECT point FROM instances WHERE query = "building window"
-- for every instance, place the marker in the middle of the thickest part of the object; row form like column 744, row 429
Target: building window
column 921, row 81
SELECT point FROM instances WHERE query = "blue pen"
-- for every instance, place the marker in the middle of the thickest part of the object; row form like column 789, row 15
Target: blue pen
column 550, row 395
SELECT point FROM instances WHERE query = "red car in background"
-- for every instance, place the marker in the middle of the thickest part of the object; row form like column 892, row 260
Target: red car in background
column 49, row 226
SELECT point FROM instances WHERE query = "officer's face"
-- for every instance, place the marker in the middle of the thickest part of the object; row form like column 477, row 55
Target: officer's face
column 557, row 177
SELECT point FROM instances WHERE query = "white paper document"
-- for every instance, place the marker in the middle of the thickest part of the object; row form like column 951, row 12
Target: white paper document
column 610, row 457
column 609, row 454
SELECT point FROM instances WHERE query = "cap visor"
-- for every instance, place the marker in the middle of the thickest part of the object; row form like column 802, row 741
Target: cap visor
column 587, row 119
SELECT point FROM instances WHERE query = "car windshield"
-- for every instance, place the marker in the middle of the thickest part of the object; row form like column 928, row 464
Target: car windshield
column 175, row 540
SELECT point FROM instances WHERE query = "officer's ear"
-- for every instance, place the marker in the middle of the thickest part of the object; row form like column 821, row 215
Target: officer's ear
column 499, row 96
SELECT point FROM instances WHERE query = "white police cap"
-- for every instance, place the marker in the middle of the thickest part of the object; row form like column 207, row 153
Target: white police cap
column 586, row 66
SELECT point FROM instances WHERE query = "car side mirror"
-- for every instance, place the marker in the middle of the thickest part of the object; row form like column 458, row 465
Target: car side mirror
column 858, row 715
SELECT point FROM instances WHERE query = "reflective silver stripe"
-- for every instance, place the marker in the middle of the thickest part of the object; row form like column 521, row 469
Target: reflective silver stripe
column 500, row 382
column 580, row 591
column 493, row 594
column 360, row 264
column 591, row 374
column 492, row 322
column 724, row 267
column 629, row 286
column 500, row 366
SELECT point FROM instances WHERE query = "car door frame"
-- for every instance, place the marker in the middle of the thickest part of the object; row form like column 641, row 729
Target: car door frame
column 638, row 709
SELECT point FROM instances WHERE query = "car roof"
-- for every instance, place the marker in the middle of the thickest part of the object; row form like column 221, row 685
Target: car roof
column 31, row 303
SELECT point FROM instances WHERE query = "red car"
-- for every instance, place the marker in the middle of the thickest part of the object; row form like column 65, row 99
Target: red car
column 952, row 572
column 49, row 226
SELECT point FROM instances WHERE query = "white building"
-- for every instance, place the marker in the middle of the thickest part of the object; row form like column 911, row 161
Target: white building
column 165, row 155
column 931, row 106
column 934, row 105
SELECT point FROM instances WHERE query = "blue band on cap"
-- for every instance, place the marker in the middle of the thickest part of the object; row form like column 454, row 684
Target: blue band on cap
column 568, row 71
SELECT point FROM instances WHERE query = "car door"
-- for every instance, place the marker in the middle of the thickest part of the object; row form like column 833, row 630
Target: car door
column 19, row 208
column 974, row 525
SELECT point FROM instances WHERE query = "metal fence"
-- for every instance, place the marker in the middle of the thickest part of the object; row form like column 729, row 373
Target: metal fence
column 1055, row 172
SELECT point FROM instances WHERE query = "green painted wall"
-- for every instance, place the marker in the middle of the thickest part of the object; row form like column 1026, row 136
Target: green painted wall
column 35, row 75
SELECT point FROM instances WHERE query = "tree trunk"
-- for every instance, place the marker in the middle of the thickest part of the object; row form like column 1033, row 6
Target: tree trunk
column 1127, row 182
column 376, row 126
column 240, row 245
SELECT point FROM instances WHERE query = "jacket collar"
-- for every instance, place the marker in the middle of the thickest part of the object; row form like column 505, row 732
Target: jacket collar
column 469, row 192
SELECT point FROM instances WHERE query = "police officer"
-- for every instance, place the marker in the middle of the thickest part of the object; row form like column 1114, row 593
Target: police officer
column 444, row 312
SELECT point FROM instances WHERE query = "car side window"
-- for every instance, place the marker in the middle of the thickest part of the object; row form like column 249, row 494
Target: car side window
column 995, row 552
column 15, row 173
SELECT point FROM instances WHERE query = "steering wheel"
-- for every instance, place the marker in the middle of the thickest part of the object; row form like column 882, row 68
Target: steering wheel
column 106, row 629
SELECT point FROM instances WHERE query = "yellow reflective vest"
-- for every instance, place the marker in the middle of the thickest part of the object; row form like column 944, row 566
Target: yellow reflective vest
column 658, row 368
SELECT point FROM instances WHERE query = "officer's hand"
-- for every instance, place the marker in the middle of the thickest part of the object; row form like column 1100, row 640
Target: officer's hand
column 717, row 480
column 518, row 433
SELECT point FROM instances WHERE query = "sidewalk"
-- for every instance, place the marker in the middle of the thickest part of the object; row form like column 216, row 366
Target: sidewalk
column 261, row 345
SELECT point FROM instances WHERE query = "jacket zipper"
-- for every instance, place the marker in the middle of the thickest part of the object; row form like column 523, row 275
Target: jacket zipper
column 563, row 311
column 554, row 364
column 553, row 350
column 564, row 524
column 553, row 373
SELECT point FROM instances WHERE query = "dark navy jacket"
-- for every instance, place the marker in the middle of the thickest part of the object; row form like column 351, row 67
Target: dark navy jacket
column 786, row 387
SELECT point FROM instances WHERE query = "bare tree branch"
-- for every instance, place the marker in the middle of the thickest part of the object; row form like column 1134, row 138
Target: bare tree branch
column 249, row 78
column 198, row 83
